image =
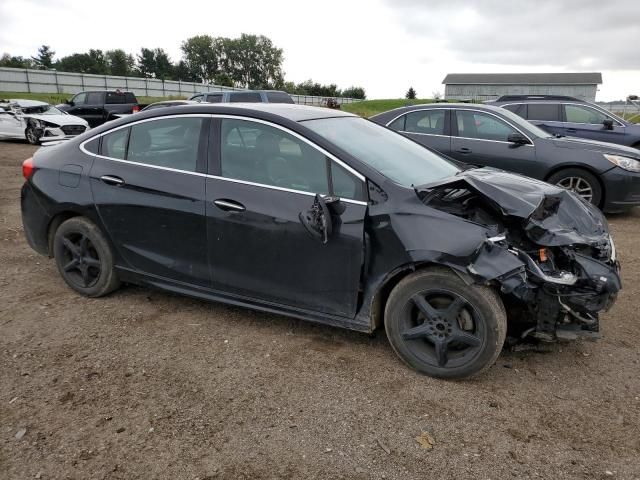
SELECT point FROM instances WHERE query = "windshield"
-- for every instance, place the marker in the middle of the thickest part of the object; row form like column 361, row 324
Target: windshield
column 396, row 157
column 521, row 123
column 42, row 110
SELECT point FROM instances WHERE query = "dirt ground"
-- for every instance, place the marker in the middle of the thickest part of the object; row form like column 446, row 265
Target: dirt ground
column 143, row 384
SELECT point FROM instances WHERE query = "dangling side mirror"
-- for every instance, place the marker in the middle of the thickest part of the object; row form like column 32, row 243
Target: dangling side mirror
column 317, row 220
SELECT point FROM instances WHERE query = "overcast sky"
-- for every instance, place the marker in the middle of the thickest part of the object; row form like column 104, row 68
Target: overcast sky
column 383, row 45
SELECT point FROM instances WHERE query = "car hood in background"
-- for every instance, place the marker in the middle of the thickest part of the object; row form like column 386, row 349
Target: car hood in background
column 550, row 215
column 594, row 145
column 59, row 119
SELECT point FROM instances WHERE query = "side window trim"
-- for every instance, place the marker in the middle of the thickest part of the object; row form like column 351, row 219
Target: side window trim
column 456, row 134
column 447, row 121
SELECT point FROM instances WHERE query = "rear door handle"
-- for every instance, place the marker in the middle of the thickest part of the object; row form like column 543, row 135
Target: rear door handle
column 229, row 205
column 112, row 180
column 464, row 150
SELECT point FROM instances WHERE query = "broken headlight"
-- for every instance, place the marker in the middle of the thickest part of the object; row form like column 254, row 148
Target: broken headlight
column 625, row 163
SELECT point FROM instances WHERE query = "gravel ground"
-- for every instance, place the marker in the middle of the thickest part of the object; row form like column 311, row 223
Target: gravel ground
column 143, row 384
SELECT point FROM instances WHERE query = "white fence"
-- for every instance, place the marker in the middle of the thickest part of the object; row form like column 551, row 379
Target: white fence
column 51, row 81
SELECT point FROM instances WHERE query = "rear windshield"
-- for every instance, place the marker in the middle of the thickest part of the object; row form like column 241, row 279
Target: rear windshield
column 116, row 97
column 279, row 97
column 130, row 97
column 252, row 97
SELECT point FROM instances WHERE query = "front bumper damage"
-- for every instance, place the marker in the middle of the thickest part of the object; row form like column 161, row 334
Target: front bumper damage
column 548, row 251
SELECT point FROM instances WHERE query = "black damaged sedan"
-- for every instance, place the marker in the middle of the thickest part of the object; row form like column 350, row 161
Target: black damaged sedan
column 324, row 216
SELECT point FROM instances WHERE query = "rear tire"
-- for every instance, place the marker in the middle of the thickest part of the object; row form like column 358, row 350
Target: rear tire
column 580, row 181
column 84, row 258
column 444, row 328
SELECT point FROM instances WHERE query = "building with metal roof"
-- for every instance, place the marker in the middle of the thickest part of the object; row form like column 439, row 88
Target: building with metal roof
column 489, row 86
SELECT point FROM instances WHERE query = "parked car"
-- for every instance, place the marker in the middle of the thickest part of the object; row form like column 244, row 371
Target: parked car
column 604, row 174
column 325, row 216
column 100, row 106
column 36, row 121
column 244, row 96
column 167, row 103
column 572, row 117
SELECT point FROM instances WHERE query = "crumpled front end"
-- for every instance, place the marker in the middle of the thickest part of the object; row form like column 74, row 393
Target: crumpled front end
column 549, row 251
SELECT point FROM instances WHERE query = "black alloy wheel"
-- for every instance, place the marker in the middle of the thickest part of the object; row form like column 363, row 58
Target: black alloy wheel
column 442, row 327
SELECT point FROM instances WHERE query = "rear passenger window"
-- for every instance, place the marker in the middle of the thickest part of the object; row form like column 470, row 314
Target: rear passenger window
column 279, row 97
column 92, row 146
column 168, row 142
column 114, row 144
column 251, row 97
column 425, row 121
column 398, row 124
column 544, row 111
column 214, row 98
column 517, row 108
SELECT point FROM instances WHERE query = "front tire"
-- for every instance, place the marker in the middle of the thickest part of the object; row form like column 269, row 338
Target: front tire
column 584, row 183
column 84, row 258
column 444, row 328
column 32, row 136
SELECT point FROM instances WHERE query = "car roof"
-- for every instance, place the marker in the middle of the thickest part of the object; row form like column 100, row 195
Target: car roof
column 294, row 112
column 240, row 91
column 423, row 106
column 184, row 102
column 23, row 103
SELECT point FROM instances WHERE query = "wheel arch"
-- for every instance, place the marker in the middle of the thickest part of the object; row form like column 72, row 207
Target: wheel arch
column 55, row 222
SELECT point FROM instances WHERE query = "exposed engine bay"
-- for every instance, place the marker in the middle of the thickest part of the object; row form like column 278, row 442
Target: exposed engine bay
column 547, row 249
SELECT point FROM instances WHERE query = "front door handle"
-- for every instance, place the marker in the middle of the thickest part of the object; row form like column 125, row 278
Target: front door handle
column 229, row 205
column 464, row 150
column 112, row 180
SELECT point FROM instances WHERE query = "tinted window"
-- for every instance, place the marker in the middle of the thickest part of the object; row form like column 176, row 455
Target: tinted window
column 345, row 184
column 217, row 98
column 114, row 144
column 130, row 98
column 425, row 121
column 381, row 148
column 94, row 98
column 581, row 114
column 115, row 97
column 80, row 99
column 93, row 145
column 517, row 108
column 197, row 98
column 544, row 111
column 263, row 154
column 279, row 97
column 398, row 123
column 168, row 142
column 482, row 126
column 252, row 97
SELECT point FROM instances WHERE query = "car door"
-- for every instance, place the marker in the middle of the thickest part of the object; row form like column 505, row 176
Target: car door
column 77, row 105
column 265, row 179
column 94, row 109
column 480, row 138
column 10, row 124
column 586, row 122
column 430, row 127
column 148, row 186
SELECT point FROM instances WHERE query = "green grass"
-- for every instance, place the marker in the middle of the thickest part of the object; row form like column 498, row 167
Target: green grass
column 55, row 98
column 368, row 108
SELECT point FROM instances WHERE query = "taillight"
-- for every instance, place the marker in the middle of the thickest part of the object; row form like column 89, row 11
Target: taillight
column 135, row 109
column 28, row 168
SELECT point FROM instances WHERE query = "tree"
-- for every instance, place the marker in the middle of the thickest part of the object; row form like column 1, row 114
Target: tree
column 15, row 62
column 436, row 95
column 181, row 72
column 411, row 94
column 163, row 67
column 92, row 62
column 44, row 60
column 354, row 92
column 252, row 61
column 146, row 62
column 201, row 57
column 119, row 62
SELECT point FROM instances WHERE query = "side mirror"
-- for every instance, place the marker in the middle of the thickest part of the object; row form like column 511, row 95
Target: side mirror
column 317, row 220
column 608, row 124
column 517, row 139
column 69, row 102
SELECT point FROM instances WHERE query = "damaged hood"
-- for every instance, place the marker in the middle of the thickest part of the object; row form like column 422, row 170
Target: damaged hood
column 60, row 120
column 550, row 215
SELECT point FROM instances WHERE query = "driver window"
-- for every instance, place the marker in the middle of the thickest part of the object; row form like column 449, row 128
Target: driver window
column 580, row 114
column 259, row 153
column 474, row 124
column 80, row 99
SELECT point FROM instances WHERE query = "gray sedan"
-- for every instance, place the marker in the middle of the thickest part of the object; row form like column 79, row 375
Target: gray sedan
column 604, row 174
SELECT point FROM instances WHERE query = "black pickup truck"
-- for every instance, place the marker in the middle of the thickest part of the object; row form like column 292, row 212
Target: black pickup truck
column 100, row 106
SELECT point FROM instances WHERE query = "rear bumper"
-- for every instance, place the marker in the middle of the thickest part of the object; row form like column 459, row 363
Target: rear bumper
column 35, row 220
column 622, row 190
